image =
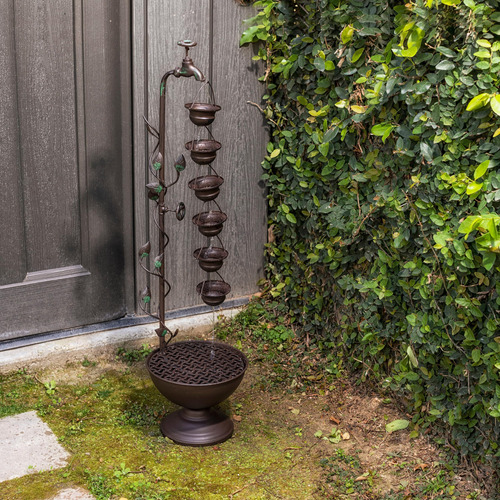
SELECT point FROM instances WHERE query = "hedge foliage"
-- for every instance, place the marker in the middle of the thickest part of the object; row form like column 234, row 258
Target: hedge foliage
column 383, row 178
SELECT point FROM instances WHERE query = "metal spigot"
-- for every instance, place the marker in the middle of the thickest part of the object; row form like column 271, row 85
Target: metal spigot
column 188, row 68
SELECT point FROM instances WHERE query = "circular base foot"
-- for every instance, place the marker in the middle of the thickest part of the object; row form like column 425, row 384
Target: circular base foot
column 197, row 427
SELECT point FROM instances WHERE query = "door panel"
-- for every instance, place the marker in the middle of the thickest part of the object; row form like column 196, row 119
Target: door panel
column 61, row 164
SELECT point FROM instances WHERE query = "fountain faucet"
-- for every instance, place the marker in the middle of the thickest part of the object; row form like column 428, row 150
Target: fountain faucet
column 188, row 68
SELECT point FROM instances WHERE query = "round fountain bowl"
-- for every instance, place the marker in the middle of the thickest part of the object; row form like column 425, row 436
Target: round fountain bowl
column 203, row 151
column 206, row 188
column 202, row 114
column 213, row 292
column 210, row 259
column 210, row 223
column 197, row 375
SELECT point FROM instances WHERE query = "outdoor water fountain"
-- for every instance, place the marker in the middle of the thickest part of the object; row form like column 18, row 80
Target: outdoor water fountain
column 196, row 375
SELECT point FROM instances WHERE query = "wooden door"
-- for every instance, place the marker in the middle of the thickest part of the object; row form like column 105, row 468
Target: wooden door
column 65, row 173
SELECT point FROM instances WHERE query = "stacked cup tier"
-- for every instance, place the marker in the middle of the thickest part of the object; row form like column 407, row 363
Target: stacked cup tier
column 210, row 220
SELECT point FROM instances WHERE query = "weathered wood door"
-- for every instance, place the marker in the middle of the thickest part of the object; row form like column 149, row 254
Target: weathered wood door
column 65, row 174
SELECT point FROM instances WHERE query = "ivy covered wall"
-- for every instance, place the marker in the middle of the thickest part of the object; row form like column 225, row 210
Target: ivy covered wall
column 383, row 175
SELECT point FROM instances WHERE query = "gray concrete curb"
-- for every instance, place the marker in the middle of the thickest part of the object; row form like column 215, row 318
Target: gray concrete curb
column 96, row 344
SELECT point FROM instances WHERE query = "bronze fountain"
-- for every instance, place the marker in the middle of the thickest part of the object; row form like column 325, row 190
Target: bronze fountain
column 196, row 375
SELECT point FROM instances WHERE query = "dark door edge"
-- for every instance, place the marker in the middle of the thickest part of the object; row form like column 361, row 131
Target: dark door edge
column 126, row 321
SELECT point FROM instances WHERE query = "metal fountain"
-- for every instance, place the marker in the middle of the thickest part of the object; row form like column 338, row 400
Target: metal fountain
column 196, row 375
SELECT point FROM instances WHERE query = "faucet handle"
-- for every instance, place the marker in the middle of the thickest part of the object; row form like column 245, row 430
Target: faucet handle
column 187, row 43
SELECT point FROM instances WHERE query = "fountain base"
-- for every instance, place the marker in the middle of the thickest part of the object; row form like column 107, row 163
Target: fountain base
column 197, row 427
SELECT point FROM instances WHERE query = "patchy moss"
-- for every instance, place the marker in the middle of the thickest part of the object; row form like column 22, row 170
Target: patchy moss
column 111, row 428
column 107, row 416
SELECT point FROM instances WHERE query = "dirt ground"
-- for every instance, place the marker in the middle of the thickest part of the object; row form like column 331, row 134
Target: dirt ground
column 317, row 441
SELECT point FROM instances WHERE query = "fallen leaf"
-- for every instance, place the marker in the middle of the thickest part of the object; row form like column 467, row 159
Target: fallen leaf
column 335, row 420
column 421, row 467
column 363, row 477
column 397, row 425
column 237, row 418
column 295, row 411
column 346, row 436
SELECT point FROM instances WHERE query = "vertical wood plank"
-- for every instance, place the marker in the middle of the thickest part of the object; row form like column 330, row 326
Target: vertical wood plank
column 240, row 128
column 12, row 247
column 45, row 67
column 104, row 162
column 140, row 108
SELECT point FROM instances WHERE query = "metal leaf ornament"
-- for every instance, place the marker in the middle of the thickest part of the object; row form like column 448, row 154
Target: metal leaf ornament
column 180, row 163
column 158, row 261
column 157, row 162
column 144, row 250
column 154, row 189
column 146, row 295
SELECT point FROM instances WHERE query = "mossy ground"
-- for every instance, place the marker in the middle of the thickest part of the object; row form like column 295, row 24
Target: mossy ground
column 300, row 433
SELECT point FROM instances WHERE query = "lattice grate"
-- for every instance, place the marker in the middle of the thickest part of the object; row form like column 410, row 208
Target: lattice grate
column 197, row 363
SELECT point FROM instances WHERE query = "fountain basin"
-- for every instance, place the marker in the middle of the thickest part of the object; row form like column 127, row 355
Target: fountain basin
column 197, row 375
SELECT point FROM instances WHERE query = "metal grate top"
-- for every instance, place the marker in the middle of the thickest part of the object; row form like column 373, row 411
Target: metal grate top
column 197, row 363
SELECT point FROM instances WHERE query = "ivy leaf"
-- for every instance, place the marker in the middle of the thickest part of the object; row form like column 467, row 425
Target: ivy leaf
column 489, row 259
column 291, row 218
column 478, row 102
column 382, row 130
column 329, row 66
column 497, row 132
column 357, row 54
column 426, row 151
column 474, row 187
column 445, row 66
column 358, row 109
column 249, row 35
column 483, row 43
column 495, row 29
column 411, row 356
column 323, row 148
column 346, row 34
column 481, row 169
column 470, row 224
column 414, row 42
column 275, row 153
column 495, row 104
column 330, row 134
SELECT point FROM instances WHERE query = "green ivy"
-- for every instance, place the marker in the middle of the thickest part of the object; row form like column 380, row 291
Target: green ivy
column 383, row 178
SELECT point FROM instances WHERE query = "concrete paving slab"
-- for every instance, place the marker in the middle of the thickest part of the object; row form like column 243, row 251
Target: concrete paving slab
column 27, row 445
column 73, row 494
